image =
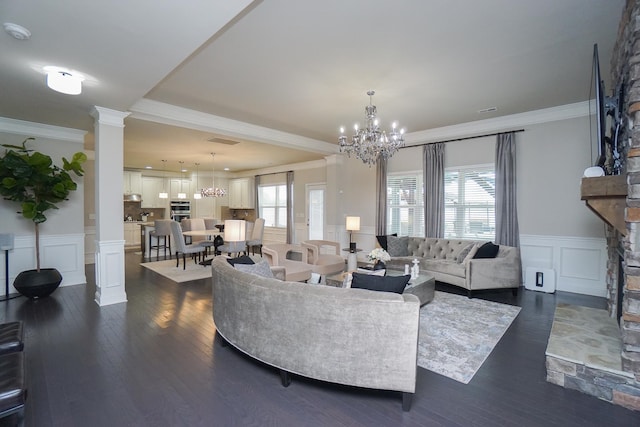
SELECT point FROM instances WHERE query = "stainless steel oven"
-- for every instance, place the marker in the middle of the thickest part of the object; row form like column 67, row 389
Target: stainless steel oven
column 180, row 209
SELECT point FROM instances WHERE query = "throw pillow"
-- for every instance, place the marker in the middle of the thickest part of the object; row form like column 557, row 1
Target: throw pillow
column 261, row 269
column 244, row 259
column 380, row 283
column 398, row 246
column 463, row 253
column 348, row 277
column 382, row 240
column 488, row 250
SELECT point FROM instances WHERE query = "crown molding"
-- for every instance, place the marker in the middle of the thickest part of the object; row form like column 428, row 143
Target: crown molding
column 159, row 112
column 504, row 123
column 39, row 130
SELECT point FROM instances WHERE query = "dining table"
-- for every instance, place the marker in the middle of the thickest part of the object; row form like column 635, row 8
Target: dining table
column 209, row 234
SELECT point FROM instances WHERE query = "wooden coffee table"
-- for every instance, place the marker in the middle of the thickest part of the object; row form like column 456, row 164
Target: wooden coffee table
column 423, row 286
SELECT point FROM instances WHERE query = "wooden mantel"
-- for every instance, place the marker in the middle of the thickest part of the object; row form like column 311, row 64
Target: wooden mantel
column 606, row 197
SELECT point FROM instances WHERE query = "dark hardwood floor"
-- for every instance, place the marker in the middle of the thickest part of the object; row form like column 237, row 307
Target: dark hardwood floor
column 154, row 361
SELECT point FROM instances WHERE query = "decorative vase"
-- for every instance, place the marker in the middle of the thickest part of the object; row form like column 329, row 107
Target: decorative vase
column 37, row 284
column 379, row 265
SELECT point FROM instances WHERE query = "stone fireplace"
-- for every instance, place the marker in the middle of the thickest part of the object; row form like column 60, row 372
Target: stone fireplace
column 608, row 365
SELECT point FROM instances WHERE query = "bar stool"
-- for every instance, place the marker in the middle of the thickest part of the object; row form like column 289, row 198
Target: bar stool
column 162, row 230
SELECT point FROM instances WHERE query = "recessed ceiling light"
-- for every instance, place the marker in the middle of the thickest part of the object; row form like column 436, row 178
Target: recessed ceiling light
column 226, row 169
column 63, row 80
column 16, row 31
column 148, row 167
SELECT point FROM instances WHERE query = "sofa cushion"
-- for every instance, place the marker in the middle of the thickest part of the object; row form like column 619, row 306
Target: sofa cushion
column 261, row 269
column 488, row 250
column 380, row 283
column 244, row 259
column 398, row 246
column 382, row 240
column 452, row 268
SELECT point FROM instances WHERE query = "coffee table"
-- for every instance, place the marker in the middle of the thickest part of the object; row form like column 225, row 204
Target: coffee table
column 424, row 286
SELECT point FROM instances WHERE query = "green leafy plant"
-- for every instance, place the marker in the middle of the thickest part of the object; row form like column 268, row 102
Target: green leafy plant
column 30, row 178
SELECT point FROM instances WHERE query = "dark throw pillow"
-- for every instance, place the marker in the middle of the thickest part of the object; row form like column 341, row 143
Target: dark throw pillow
column 244, row 259
column 382, row 240
column 398, row 246
column 380, row 283
column 488, row 250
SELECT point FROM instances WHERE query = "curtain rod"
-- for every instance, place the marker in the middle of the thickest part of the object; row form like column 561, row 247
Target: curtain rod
column 465, row 138
column 273, row 173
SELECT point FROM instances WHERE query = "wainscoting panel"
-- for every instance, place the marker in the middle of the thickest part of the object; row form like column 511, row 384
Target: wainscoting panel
column 63, row 252
column 579, row 262
column 90, row 245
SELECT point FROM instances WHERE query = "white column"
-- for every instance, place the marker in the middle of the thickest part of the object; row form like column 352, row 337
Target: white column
column 109, row 136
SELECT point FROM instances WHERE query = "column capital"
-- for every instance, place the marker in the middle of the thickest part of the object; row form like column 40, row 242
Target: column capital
column 108, row 116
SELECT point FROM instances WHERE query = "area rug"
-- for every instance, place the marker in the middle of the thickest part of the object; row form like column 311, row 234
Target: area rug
column 457, row 334
column 169, row 270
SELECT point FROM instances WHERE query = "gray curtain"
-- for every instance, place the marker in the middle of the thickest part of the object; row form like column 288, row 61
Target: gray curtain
column 433, row 172
column 381, row 192
column 256, row 184
column 507, row 232
column 290, row 217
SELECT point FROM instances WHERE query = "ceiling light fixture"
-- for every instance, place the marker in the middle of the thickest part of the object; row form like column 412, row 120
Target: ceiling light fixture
column 163, row 194
column 64, row 82
column 370, row 143
column 213, row 191
column 197, row 195
column 16, row 31
column 181, row 195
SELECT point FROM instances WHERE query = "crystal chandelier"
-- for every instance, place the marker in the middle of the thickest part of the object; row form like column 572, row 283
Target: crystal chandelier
column 370, row 143
column 213, row 191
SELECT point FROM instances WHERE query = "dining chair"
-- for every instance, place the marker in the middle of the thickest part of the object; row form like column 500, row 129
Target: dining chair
column 182, row 247
column 255, row 239
column 162, row 229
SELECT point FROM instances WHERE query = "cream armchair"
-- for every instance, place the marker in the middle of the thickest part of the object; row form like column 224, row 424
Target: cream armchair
column 295, row 271
column 324, row 257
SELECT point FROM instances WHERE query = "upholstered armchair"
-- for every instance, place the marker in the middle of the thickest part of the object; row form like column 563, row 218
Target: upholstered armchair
column 324, row 257
column 280, row 255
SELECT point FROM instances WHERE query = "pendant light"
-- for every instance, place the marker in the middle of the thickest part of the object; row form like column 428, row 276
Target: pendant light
column 181, row 195
column 163, row 194
column 213, row 191
column 196, row 194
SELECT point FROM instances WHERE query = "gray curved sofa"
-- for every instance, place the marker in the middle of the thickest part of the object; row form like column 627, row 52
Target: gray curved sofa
column 451, row 261
column 354, row 337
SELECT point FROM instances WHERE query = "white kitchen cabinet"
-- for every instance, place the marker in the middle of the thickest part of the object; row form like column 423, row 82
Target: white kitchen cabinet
column 177, row 185
column 131, row 182
column 241, row 193
column 132, row 234
column 151, row 188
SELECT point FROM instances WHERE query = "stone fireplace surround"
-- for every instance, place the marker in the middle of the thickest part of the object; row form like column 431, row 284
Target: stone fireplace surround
column 587, row 351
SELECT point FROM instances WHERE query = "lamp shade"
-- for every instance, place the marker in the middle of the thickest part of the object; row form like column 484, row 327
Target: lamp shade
column 353, row 223
column 234, row 230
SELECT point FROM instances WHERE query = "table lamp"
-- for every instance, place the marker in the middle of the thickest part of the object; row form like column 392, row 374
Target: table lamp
column 234, row 234
column 353, row 224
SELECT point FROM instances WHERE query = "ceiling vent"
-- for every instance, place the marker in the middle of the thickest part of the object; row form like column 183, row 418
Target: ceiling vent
column 223, row 141
column 488, row 110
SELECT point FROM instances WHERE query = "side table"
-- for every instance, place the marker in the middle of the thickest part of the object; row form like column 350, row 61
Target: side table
column 352, row 258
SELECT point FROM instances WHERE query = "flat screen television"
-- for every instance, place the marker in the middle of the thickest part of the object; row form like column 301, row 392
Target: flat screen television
column 605, row 113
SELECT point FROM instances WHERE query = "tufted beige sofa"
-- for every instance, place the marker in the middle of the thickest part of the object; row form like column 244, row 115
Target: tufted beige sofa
column 451, row 261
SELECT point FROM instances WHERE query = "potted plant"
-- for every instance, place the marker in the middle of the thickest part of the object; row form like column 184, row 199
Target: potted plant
column 30, row 178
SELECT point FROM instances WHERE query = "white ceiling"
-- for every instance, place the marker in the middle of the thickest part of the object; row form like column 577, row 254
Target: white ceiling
column 281, row 76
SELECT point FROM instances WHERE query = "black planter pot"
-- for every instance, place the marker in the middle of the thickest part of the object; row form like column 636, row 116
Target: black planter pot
column 38, row 284
column 379, row 265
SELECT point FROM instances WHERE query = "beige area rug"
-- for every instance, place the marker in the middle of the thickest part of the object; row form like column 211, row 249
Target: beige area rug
column 457, row 334
column 194, row 271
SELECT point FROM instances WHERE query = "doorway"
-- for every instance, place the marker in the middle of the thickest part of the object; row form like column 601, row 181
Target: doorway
column 316, row 217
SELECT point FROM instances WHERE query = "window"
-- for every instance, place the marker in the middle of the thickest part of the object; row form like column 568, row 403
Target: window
column 405, row 204
column 470, row 202
column 272, row 200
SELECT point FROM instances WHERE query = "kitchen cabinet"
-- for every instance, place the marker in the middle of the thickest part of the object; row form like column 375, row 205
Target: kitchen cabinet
column 177, row 185
column 241, row 193
column 132, row 234
column 151, row 188
column 131, row 182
